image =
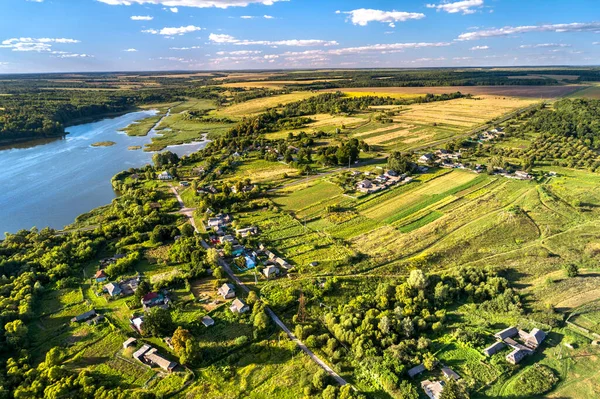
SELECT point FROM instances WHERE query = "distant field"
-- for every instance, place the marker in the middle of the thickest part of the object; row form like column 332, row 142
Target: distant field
column 592, row 92
column 325, row 122
column 258, row 105
column 421, row 124
column 509, row 91
column 275, row 84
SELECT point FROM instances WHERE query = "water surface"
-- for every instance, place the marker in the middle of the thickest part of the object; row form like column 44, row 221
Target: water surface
column 51, row 182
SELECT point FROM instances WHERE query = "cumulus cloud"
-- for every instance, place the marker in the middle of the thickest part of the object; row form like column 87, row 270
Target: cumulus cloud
column 464, row 6
column 476, row 48
column 374, row 48
column 515, row 30
column 174, row 10
column 193, row 3
column 247, row 17
column 363, row 16
column 73, row 55
column 173, row 31
column 545, row 45
column 228, row 39
column 141, row 18
column 33, row 44
column 184, row 48
column 130, row 50
column 268, row 16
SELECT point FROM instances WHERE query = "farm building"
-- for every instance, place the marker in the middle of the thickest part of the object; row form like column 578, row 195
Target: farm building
column 517, row 355
column 84, row 316
column 112, row 289
column 416, row 370
column 100, row 276
column 95, row 320
column 495, row 348
column 364, row 185
column 426, row 158
column 507, row 333
column 129, row 342
column 247, row 231
column 227, row 291
column 227, row 238
column 152, row 299
column 239, row 306
column 140, row 352
column 207, row 321
column 532, row 339
column 270, row 271
column 433, row 389
column 283, row 263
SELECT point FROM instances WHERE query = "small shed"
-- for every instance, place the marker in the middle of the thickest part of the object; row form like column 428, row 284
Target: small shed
column 129, row 342
column 450, row 374
column 140, row 352
column 112, row 289
column 270, row 271
column 238, row 306
column 227, row 291
column 416, row 370
column 208, row 321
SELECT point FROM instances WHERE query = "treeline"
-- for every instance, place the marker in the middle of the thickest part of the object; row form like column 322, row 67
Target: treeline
column 293, row 115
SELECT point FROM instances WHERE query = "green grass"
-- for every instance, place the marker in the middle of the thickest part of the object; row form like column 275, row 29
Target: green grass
column 143, row 126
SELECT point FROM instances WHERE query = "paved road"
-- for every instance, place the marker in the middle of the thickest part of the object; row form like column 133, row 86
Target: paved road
column 187, row 212
column 281, row 325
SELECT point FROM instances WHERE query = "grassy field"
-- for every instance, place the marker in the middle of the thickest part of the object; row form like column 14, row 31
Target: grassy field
column 142, row 127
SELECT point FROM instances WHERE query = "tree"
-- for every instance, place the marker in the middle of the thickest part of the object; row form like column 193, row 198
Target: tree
column 407, row 390
column 454, row 390
column 187, row 230
column 571, row 269
column 417, row 280
column 429, row 361
column 16, row 333
column 252, row 298
column 330, row 392
column 400, row 163
column 320, row 379
column 158, row 322
column 185, row 345
column 261, row 320
column 212, row 256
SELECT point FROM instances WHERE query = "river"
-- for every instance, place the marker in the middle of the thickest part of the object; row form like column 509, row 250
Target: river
column 50, row 183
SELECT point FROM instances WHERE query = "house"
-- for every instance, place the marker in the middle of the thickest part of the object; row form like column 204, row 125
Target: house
column 237, row 250
column 270, row 271
column 246, row 231
column 364, row 185
column 433, row 389
column 100, row 276
column 140, row 352
column 495, row 348
column 184, row 183
column 516, row 355
column 391, row 173
column 112, row 289
column 215, row 222
column 520, row 174
column 450, row 374
column 416, row 370
column 152, row 299
column 165, row 364
column 164, row 176
column 137, row 323
column 84, row 316
column 239, row 306
column 250, row 263
column 283, row 263
column 227, row 238
column 426, row 158
column 129, row 342
column 507, row 333
column 208, row 321
column 227, row 291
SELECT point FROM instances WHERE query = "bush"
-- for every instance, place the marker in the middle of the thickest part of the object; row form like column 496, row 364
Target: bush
column 571, row 270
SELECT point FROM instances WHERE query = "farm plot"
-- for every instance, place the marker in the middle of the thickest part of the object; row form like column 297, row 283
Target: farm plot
column 304, row 197
column 258, row 105
column 525, row 91
column 261, row 171
column 387, row 211
column 326, row 123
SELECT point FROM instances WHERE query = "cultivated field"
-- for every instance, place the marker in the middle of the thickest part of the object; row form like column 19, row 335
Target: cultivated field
column 539, row 92
column 259, row 105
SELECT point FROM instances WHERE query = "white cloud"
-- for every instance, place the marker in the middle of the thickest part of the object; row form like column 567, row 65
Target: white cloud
column 184, row 48
column 32, row 44
column 545, row 45
column 173, row 31
column 374, row 48
column 363, row 16
column 462, row 58
column 73, row 55
column 228, row 39
column 596, row 43
column 268, row 17
column 464, row 6
column 240, row 52
column 130, row 50
column 193, row 3
column 247, row 17
column 515, row 30
column 174, row 10
column 476, row 48
column 141, row 18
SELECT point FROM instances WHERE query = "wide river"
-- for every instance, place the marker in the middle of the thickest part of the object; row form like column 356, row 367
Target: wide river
column 51, row 183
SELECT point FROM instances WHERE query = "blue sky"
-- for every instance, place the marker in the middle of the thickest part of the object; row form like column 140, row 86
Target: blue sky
column 129, row 35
